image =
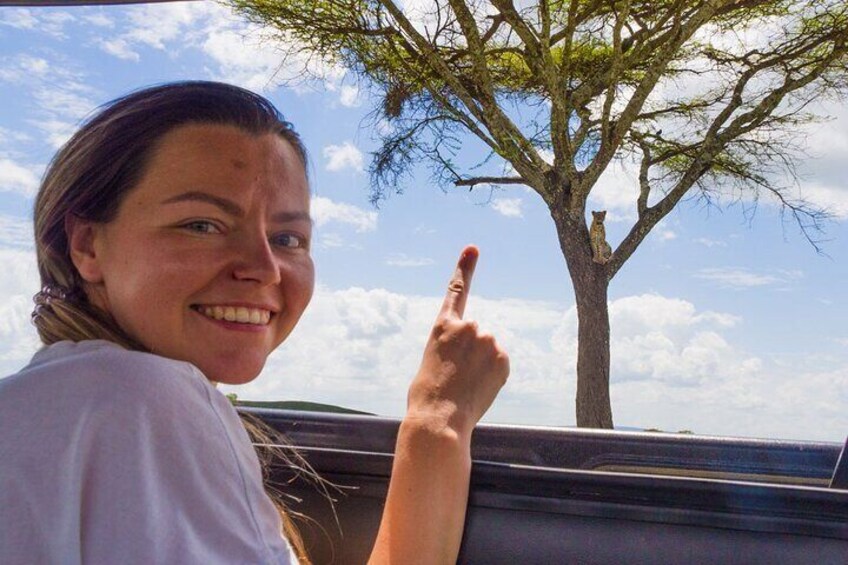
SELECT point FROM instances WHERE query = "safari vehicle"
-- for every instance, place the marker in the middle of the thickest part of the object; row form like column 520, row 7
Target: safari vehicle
column 546, row 495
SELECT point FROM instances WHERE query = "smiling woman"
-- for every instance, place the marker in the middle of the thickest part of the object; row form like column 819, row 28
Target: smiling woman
column 173, row 240
column 81, row 208
column 130, row 254
column 242, row 253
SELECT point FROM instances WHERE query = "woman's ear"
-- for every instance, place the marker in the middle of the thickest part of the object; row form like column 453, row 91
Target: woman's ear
column 81, row 237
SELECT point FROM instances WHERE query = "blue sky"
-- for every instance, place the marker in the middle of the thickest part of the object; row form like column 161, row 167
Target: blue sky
column 722, row 323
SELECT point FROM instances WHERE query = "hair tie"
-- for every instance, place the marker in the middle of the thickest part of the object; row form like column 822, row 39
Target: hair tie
column 45, row 298
column 50, row 293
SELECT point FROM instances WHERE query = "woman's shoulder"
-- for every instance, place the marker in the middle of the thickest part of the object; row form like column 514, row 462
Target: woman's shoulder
column 100, row 374
column 154, row 437
column 99, row 362
column 99, row 356
column 113, row 399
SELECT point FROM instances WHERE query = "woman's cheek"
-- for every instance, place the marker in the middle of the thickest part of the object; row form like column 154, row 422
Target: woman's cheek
column 308, row 282
column 304, row 283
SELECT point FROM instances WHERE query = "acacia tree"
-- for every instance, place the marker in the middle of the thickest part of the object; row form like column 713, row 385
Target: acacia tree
column 702, row 96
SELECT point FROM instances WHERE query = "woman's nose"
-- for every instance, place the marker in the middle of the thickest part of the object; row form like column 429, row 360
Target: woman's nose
column 255, row 261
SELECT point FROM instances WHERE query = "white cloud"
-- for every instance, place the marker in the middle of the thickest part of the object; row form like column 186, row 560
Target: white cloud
column 661, row 339
column 239, row 52
column 61, row 93
column 158, row 25
column 24, row 68
column 665, row 234
column 53, row 23
column 791, row 274
column 834, row 199
column 17, row 178
column 18, row 283
column 349, row 96
column 404, row 260
column 21, row 18
column 422, row 229
column 69, row 98
column 647, row 313
column 34, row 65
column 7, row 135
column 509, row 207
column 99, row 20
column 242, row 59
column 673, row 367
column 58, row 131
column 16, row 233
column 49, row 22
column 331, row 240
column 343, row 156
column 120, row 49
column 824, row 177
column 235, row 48
column 741, row 278
column 707, row 242
column 617, row 191
column 377, row 338
column 325, row 211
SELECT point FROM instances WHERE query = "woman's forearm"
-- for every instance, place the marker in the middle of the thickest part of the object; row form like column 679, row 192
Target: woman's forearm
column 428, row 493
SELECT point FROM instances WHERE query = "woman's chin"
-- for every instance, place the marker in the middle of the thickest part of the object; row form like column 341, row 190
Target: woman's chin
column 231, row 375
column 231, row 380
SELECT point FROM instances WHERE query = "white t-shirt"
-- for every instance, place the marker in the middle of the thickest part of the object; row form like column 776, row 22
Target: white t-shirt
column 114, row 456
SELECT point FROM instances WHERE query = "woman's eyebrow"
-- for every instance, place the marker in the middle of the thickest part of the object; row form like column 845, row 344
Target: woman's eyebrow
column 233, row 209
column 284, row 217
column 224, row 204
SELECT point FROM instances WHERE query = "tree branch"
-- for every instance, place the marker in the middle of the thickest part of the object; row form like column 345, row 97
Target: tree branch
column 472, row 182
column 717, row 139
column 681, row 32
column 510, row 141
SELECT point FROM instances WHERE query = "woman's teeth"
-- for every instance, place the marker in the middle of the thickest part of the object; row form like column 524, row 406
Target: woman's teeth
column 239, row 314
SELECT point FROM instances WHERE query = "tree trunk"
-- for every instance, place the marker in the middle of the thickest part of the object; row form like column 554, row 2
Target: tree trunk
column 590, row 283
column 594, row 409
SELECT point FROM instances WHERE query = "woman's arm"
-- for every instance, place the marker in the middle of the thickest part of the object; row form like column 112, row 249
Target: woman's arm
column 461, row 373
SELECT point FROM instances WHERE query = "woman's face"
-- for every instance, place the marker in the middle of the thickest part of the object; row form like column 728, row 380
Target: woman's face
column 208, row 258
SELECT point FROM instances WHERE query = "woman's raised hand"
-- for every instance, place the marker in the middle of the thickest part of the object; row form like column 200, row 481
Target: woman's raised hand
column 461, row 373
column 463, row 368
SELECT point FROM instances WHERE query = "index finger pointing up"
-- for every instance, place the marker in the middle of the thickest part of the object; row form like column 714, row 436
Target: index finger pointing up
column 460, row 284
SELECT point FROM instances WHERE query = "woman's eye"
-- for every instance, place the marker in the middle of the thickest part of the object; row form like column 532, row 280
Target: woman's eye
column 288, row 240
column 201, row 226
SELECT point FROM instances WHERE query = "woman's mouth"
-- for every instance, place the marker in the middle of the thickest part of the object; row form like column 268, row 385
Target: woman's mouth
column 237, row 314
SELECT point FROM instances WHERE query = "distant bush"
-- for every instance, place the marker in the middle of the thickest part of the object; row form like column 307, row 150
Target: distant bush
column 659, row 431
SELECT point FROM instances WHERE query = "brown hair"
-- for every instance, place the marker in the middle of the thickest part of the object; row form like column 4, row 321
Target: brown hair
column 89, row 178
